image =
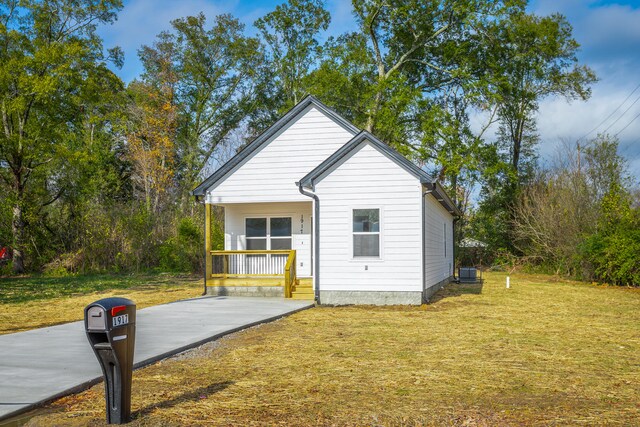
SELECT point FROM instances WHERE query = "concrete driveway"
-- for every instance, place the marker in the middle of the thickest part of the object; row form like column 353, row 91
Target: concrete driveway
column 43, row 364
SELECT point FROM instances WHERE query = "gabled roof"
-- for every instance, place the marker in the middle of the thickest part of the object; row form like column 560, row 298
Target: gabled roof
column 264, row 137
column 309, row 180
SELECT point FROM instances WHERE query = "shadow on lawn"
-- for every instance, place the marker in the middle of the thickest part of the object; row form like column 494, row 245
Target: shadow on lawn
column 194, row 395
column 457, row 289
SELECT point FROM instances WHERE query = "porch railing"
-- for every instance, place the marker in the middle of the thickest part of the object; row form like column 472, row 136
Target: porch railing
column 290, row 274
column 256, row 263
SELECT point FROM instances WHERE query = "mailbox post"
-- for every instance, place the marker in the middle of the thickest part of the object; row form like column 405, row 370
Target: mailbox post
column 110, row 324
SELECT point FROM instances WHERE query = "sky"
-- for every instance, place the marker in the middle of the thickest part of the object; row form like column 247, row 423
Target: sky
column 608, row 32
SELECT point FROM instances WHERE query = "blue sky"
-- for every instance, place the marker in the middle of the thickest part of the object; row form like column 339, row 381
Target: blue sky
column 609, row 32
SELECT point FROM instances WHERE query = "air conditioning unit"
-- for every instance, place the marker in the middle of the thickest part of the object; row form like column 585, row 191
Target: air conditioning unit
column 467, row 274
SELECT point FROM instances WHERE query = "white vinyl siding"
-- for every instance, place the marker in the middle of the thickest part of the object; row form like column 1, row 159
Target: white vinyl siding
column 270, row 174
column 300, row 214
column 369, row 179
column 438, row 249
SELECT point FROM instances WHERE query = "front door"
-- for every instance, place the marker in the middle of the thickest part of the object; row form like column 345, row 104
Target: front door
column 302, row 245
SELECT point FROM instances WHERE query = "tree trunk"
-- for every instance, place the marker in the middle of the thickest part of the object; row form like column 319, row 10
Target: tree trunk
column 454, row 185
column 373, row 112
column 517, row 144
column 17, row 228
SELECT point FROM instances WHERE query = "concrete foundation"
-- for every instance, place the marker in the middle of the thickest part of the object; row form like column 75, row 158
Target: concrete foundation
column 428, row 293
column 246, row 291
column 370, row 298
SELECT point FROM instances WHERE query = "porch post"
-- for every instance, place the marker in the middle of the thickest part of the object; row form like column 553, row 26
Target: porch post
column 207, row 241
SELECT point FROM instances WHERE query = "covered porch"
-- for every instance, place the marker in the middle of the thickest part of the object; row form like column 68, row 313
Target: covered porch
column 267, row 251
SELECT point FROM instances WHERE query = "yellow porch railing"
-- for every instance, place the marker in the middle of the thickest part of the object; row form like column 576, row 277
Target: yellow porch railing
column 290, row 274
column 256, row 264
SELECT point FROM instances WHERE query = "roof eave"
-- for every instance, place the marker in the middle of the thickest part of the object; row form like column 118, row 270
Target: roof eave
column 443, row 198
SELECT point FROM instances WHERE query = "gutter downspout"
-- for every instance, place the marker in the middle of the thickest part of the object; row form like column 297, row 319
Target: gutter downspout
column 453, row 227
column 424, row 239
column 316, row 239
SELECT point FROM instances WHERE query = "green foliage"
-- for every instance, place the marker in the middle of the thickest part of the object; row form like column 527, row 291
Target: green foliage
column 613, row 251
column 290, row 34
column 53, row 75
column 579, row 218
column 526, row 58
column 614, row 256
column 182, row 252
column 211, row 70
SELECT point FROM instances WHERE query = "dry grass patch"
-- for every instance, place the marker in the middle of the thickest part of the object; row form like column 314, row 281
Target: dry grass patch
column 545, row 352
column 61, row 302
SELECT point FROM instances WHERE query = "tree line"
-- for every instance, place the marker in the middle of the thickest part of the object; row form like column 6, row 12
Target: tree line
column 96, row 173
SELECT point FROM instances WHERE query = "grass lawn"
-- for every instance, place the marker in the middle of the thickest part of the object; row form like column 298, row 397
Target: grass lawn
column 546, row 352
column 36, row 302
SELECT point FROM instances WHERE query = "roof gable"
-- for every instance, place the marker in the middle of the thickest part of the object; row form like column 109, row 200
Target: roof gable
column 316, row 175
column 265, row 136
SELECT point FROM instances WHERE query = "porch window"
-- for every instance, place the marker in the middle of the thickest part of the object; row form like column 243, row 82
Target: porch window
column 366, row 233
column 268, row 233
column 280, row 235
column 256, row 229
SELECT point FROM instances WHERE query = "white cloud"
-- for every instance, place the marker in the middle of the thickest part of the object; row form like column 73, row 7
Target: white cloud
column 559, row 119
column 609, row 35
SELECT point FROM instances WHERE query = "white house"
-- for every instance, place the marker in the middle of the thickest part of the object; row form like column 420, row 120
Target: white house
column 316, row 208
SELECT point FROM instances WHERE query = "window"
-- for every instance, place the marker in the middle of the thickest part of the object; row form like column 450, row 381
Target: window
column 280, row 233
column 268, row 233
column 256, row 229
column 366, row 233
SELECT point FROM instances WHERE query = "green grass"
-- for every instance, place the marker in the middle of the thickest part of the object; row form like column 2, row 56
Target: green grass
column 546, row 352
column 34, row 288
column 36, row 302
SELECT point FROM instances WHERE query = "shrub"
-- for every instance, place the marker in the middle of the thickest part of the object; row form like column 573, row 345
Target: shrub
column 183, row 252
column 615, row 257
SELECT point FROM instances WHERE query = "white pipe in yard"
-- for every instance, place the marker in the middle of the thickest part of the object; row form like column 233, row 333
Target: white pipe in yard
column 508, row 284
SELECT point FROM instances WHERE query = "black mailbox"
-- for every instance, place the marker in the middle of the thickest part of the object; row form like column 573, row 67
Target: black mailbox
column 110, row 324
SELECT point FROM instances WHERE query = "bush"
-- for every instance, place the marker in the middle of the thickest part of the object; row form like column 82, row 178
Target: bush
column 183, row 252
column 614, row 257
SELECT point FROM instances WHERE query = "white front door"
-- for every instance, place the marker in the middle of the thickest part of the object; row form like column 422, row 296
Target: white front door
column 302, row 245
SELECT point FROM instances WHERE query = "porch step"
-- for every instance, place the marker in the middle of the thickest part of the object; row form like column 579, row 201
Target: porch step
column 246, row 281
column 303, row 290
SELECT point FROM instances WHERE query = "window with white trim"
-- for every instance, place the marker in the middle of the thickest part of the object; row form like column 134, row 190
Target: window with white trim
column 366, row 233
